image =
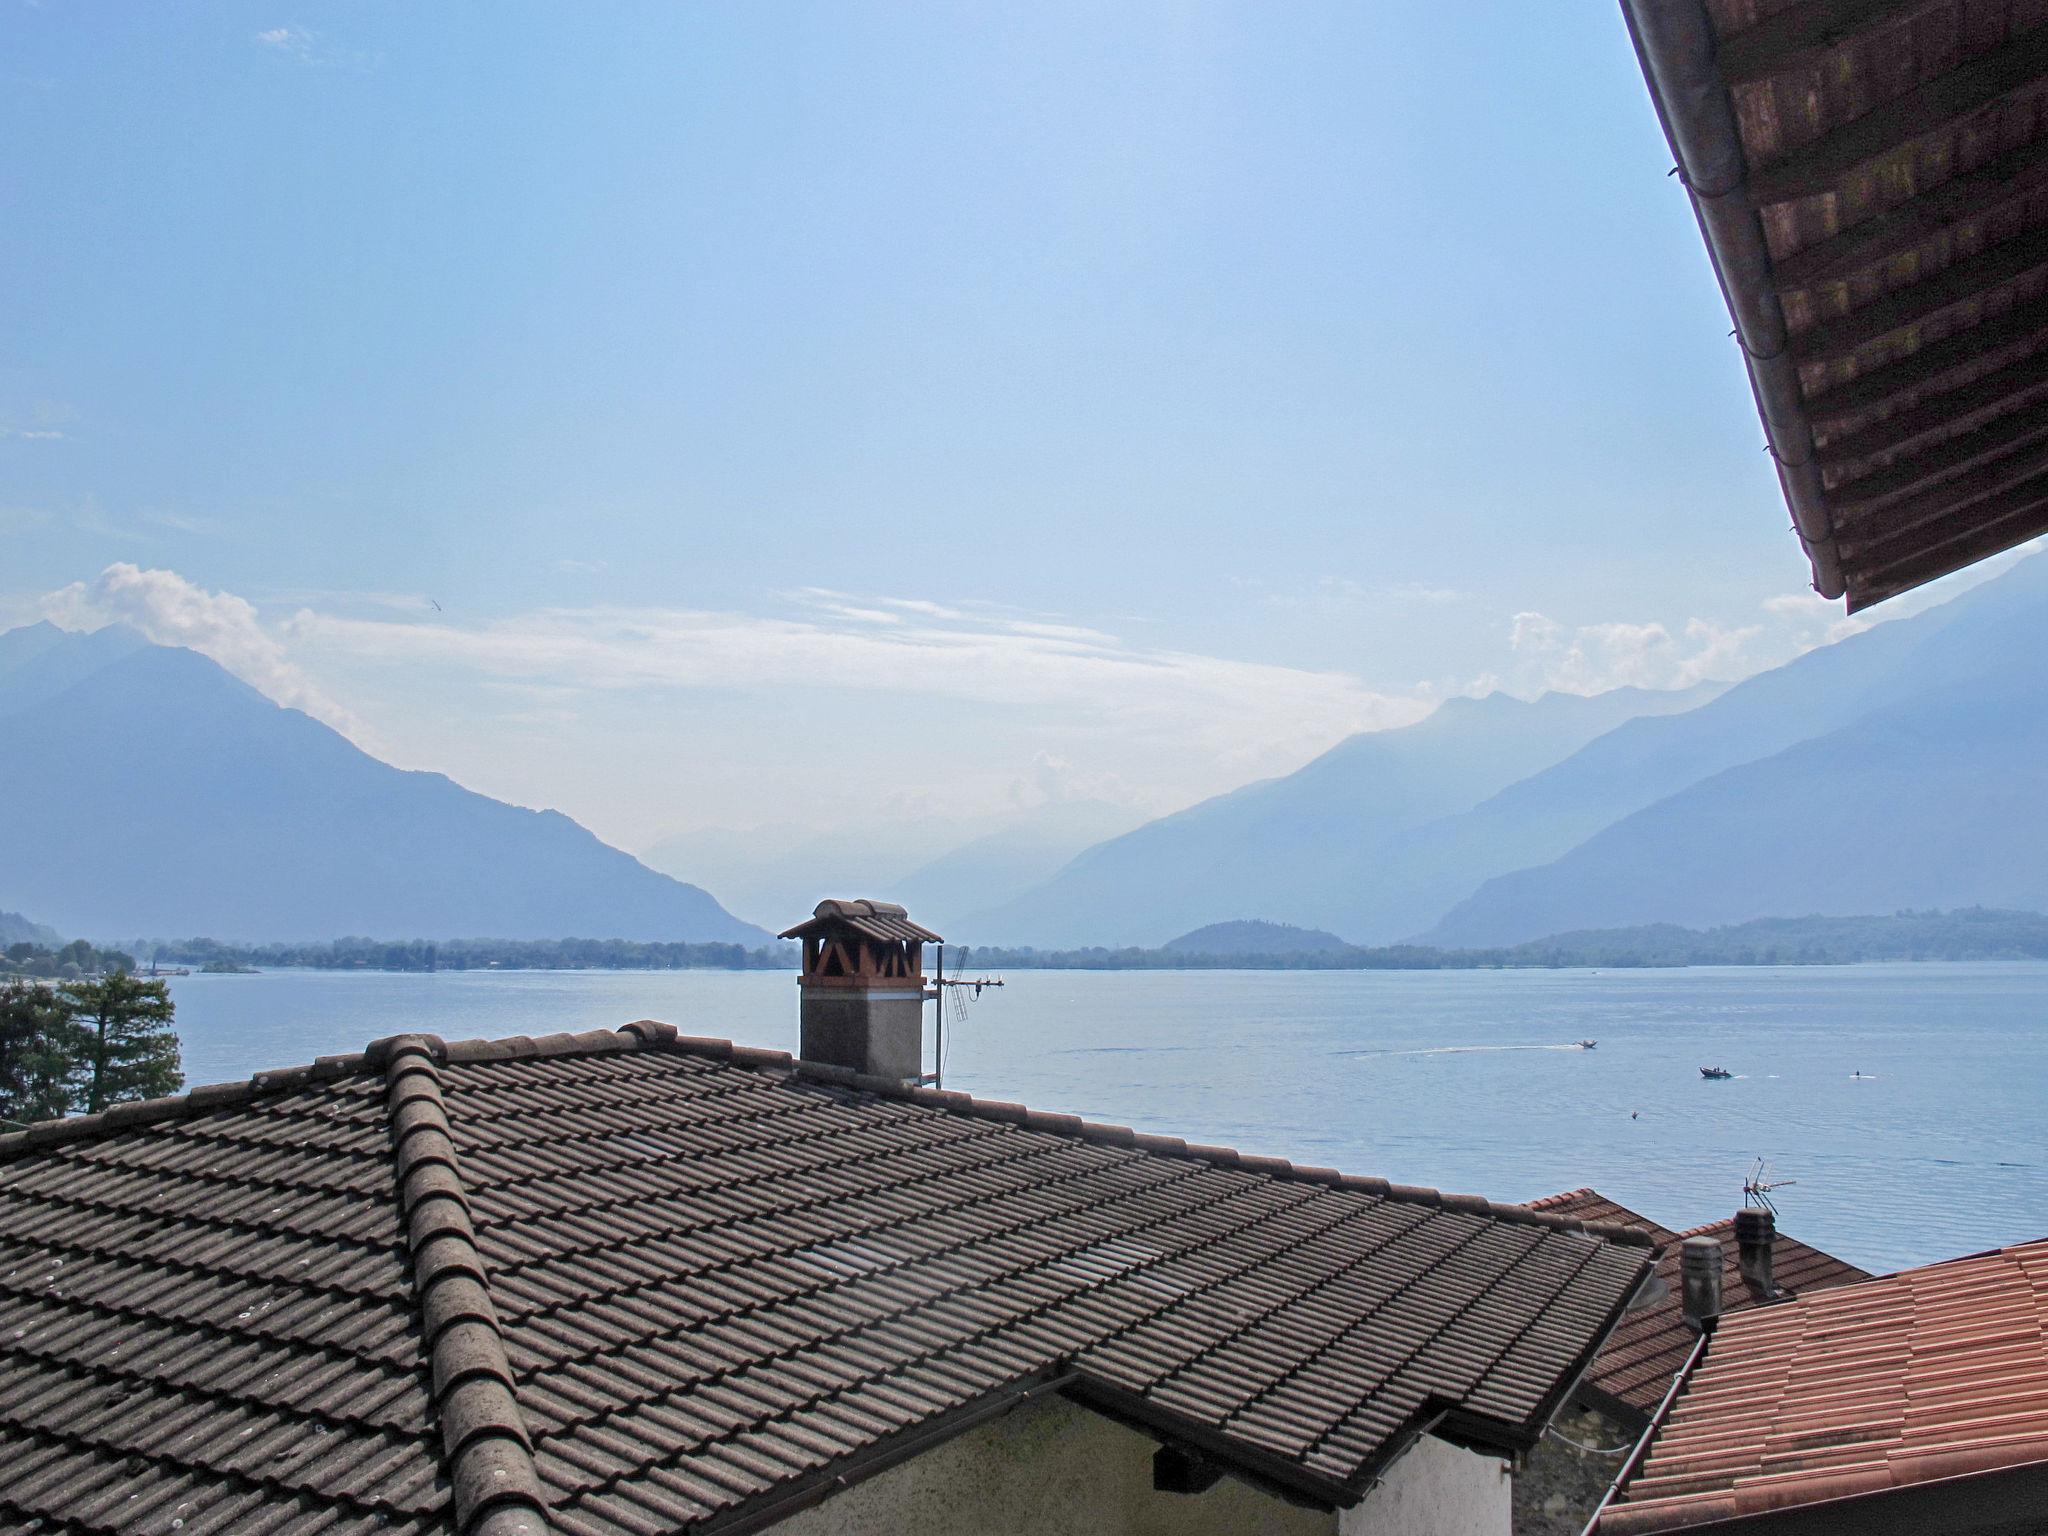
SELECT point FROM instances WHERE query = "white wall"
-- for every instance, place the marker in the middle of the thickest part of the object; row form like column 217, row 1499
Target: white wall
column 1051, row 1468
column 1436, row 1490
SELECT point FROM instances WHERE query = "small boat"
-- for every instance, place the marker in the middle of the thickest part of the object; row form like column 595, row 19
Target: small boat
column 1585, row 1045
column 1715, row 1072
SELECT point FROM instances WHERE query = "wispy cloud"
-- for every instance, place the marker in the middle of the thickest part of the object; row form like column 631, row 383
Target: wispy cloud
column 1592, row 658
column 170, row 610
column 183, row 522
column 301, row 45
column 1233, row 709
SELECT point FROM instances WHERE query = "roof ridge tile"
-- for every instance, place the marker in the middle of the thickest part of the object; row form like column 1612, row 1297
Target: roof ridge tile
column 487, row 1447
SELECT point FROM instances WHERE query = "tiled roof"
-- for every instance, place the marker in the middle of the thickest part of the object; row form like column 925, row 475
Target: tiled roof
column 628, row 1283
column 1634, row 1368
column 1928, row 1374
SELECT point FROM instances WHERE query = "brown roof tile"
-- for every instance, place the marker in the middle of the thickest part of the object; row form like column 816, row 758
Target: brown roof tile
column 629, row 1282
column 1634, row 1368
column 1932, row 1373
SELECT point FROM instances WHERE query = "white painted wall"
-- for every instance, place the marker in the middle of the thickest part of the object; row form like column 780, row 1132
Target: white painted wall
column 1436, row 1490
column 1051, row 1468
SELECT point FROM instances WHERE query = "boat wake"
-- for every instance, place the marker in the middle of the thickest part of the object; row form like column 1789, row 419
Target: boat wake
column 1465, row 1050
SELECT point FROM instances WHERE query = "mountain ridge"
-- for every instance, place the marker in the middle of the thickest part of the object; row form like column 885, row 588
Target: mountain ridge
column 153, row 792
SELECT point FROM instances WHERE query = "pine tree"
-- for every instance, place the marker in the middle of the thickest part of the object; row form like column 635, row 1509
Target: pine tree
column 130, row 1049
column 42, row 1054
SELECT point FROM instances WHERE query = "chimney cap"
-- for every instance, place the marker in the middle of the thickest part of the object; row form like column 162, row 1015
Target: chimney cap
column 883, row 921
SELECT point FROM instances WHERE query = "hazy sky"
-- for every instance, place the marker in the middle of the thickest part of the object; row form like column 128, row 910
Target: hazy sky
column 696, row 415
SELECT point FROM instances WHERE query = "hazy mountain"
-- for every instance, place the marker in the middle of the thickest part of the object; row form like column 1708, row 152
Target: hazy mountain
column 16, row 929
column 1408, row 883
column 146, row 791
column 775, row 874
column 1920, row 786
column 938, row 869
column 1250, row 936
column 1003, row 864
column 1289, row 848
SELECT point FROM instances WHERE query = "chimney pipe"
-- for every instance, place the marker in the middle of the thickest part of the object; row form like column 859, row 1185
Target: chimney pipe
column 862, row 988
column 1756, row 1236
column 1699, row 1272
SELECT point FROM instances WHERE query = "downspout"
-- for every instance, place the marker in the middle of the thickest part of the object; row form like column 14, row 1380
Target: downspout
column 1675, row 43
column 1635, row 1457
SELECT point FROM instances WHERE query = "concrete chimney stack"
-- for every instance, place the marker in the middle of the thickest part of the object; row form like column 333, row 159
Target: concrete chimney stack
column 1756, row 1236
column 1699, row 1276
column 862, row 988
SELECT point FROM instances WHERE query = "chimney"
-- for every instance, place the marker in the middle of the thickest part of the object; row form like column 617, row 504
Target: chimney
column 1699, row 1278
column 862, row 988
column 1756, row 1235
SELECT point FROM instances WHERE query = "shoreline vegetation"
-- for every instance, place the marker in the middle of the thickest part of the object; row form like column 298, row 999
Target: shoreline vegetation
column 1971, row 933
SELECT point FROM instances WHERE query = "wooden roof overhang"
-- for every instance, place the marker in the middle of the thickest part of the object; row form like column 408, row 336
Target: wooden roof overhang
column 1871, row 177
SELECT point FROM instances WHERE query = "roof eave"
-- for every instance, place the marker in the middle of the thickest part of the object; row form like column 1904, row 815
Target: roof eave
column 1974, row 1502
column 1674, row 41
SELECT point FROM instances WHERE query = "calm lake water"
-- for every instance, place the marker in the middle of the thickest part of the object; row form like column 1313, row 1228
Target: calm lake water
column 1464, row 1080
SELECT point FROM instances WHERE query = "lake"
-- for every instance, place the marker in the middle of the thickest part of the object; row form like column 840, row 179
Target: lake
column 1462, row 1079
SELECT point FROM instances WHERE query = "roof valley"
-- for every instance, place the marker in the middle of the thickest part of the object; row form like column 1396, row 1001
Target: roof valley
column 488, row 1449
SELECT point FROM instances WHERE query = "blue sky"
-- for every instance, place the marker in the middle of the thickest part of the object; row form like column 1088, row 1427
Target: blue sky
column 979, row 403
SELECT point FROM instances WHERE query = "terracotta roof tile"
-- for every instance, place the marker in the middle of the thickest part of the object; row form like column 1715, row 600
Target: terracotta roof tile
column 1648, row 1347
column 629, row 1282
column 1927, row 1374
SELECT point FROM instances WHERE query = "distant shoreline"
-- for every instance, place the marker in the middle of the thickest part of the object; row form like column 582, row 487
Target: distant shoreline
column 1966, row 934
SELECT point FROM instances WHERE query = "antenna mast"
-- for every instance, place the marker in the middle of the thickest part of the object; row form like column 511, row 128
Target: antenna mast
column 961, row 986
column 1756, row 1189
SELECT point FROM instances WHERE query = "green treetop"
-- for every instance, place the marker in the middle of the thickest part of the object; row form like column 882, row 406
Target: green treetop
column 131, row 1051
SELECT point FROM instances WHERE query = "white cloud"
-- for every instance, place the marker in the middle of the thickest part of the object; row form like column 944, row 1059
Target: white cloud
column 296, row 41
column 1259, row 714
column 170, row 610
column 1534, row 632
column 1592, row 658
column 1054, row 780
column 303, row 46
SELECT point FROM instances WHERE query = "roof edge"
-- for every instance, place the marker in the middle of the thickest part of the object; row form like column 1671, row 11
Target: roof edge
column 1675, row 43
column 487, row 1450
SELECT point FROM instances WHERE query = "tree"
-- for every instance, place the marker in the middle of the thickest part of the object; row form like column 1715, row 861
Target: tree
column 42, row 1054
column 130, row 1050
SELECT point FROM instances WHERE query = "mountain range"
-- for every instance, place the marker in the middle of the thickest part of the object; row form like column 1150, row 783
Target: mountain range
column 1898, row 767
column 941, row 870
column 147, row 792
column 1296, row 849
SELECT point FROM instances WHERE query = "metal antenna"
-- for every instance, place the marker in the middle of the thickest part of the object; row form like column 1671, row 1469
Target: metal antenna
column 1756, row 1189
column 957, row 988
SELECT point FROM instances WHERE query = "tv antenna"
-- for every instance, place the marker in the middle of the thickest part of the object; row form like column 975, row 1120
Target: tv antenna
column 955, row 992
column 1756, row 1189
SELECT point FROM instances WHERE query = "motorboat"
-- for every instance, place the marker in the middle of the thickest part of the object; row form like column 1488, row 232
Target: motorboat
column 1715, row 1072
column 1585, row 1045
